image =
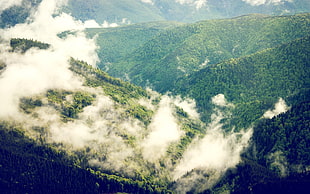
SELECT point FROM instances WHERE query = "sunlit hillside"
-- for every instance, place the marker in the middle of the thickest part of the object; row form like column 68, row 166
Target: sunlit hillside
column 154, row 96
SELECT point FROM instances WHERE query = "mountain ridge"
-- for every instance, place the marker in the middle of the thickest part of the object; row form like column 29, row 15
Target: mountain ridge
column 179, row 51
column 232, row 116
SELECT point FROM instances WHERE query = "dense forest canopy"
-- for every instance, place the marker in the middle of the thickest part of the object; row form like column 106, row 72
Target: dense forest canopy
column 214, row 106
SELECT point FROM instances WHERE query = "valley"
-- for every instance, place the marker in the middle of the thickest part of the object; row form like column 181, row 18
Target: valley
column 216, row 101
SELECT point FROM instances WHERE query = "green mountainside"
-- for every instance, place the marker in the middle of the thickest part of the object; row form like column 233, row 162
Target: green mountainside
column 18, row 14
column 102, row 134
column 120, row 42
column 179, row 51
column 47, row 164
column 29, row 167
column 254, row 82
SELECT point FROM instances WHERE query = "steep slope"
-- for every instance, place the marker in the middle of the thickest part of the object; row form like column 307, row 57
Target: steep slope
column 120, row 42
column 17, row 13
column 180, row 51
column 118, row 137
column 105, row 124
column 29, row 166
column 254, row 82
column 280, row 144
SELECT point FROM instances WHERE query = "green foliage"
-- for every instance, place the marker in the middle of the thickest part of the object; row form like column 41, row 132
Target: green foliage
column 17, row 14
column 119, row 42
column 114, row 11
column 288, row 133
column 27, row 104
column 178, row 52
column 123, row 93
column 70, row 108
column 28, row 167
column 22, row 45
column 253, row 83
column 2, row 67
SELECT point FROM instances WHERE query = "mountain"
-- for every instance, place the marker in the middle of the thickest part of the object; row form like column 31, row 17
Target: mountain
column 29, row 166
column 232, row 115
column 16, row 13
column 120, row 42
column 113, row 126
column 102, row 132
column 179, row 51
column 137, row 11
column 255, row 81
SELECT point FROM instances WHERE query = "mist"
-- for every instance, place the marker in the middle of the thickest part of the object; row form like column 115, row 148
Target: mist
column 5, row 4
column 109, row 138
column 36, row 70
column 262, row 2
column 213, row 154
column 148, row 1
column 163, row 131
column 197, row 3
column 280, row 107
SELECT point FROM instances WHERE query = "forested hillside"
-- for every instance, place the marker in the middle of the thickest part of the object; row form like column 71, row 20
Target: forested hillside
column 49, row 162
column 180, row 51
column 118, row 43
column 215, row 106
column 33, row 167
column 100, row 134
column 18, row 13
column 255, row 82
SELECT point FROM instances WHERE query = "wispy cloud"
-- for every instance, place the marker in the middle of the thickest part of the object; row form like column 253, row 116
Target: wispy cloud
column 5, row 4
column 280, row 107
column 213, row 154
column 265, row 2
column 148, row 1
column 197, row 3
column 116, row 142
column 38, row 70
column 164, row 130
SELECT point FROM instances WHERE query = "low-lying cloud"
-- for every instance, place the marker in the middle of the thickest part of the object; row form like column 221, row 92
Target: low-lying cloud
column 148, row 1
column 114, row 140
column 280, row 107
column 38, row 70
column 265, row 2
column 197, row 3
column 213, row 154
column 164, row 130
column 5, row 4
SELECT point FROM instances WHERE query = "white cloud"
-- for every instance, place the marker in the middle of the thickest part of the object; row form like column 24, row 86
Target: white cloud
column 219, row 100
column 109, row 25
column 188, row 105
column 262, row 2
column 148, row 1
column 213, row 154
column 197, row 3
column 38, row 70
column 5, row 4
column 280, row 107
column 164, row 130
column 216, row 151
column 91, row 24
